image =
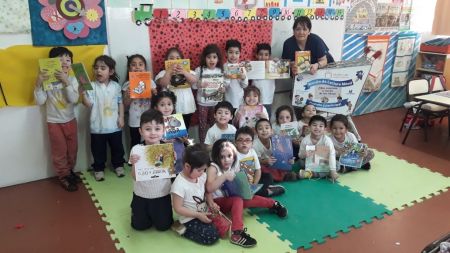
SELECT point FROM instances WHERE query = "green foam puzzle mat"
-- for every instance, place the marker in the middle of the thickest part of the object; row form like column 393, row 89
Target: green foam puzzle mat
column 395, row 183
column 319, row 209
column 113, row 196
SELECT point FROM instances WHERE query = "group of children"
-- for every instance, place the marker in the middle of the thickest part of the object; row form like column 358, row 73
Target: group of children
column 197, row 194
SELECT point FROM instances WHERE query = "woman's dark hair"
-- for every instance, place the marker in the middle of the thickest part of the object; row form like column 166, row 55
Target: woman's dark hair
column 111, row 63
column 217, row 148
column 196, row 156
column 303, row 21
column 339, row 118
column 130, row 58
column 284, row 108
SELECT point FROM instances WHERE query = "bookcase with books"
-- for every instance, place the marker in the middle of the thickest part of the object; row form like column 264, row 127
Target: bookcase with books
column 430, row 64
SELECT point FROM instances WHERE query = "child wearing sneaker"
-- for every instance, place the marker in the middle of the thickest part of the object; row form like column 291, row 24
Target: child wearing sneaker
column 61, row 121
column 107, row 116
column 340, row 136
column 151, row 199
column 263, row 148
column 223, row 168
column 222, row 115
column 318, row 146
column 189, row 199
column 248, row 160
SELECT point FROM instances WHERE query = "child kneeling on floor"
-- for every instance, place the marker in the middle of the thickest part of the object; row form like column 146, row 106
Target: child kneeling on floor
column 151, row 199
column 189, row 199
column 318, row 150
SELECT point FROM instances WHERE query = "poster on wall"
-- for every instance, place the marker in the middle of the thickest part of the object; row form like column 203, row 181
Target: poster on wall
column 388, row 16
column 403, row 60
column 361, row 16
column 58, row 23
column 334, row 90
column 405, row 16
column 376, row 43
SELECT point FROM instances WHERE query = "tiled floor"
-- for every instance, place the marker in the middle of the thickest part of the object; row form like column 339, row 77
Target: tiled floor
column 41, row 217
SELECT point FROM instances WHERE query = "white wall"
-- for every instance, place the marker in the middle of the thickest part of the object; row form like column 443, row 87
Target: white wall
column 422, row 18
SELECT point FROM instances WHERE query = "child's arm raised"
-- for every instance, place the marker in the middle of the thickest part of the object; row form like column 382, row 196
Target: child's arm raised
column 214, row 182
column 177, row 203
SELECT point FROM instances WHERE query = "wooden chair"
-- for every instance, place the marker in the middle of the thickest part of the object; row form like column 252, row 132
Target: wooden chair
column 427, row 111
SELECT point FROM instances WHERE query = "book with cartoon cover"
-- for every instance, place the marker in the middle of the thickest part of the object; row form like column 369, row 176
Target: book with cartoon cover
column 140, row 84
column 179, row 81
column 303, row 61
column 82, row 76
column 282, row 151
column 156, row 161
column 290, row 129
column 211, row 83
column 174, row 126
column 51, row 65
column 318, row 158
column 232, row 70
column 353, row 155
column 278, row 69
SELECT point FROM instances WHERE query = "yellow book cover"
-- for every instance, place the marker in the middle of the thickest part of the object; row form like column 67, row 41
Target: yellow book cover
column 157, row 161
column 50, row 65
column 179, row 81
column 140, row 85
column 303, row 61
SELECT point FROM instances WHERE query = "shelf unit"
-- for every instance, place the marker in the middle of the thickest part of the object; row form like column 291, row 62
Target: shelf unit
column 438, row 64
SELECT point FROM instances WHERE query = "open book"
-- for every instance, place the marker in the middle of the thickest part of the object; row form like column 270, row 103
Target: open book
column 353, row 155
column 272, row 69
column 282, row 150
column 240, row 187
column 156, row 161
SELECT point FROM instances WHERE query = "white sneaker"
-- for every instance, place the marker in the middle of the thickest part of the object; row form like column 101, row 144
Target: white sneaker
column 178, row 227
column 99, row 175
column 120, row 172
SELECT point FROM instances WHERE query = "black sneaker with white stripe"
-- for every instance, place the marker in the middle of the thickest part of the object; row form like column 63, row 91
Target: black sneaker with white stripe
column 241, row 238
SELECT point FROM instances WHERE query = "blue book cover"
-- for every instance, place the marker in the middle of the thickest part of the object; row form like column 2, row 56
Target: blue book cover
column 354, row 155
column 174, row 127
column 282, row 150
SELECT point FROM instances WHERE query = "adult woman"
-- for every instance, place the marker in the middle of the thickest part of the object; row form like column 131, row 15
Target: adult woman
column 304, row 40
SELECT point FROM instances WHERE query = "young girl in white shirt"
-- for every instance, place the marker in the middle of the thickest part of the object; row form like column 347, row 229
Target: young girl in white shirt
column 210, row 65
column 340, row 136
column 252, row 110
column 107, row 117
column 185, row 97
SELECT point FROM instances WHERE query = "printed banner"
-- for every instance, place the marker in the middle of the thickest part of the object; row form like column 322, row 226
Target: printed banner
column 403, row 59
column 388, row 16
column 376, row 43
column 334, row 90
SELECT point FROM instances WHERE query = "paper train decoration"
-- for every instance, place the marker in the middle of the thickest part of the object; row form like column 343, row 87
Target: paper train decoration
column 145, row 13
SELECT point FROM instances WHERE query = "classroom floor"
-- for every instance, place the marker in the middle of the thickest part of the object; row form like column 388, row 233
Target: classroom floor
column 41, row 217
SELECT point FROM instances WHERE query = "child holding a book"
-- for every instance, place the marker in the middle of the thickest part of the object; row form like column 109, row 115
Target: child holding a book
column 107, row 117
column 249, row 162
column 211, row 68
column 165, row 102
column 136, row 106
column 190, row 200
column 221, row 129
column 234, row 85
column 222, row 169
column 61, row 121
column 168, row 80
column 284, row 115
column 151, row 204
column 318, row 152
column 266, row 86
column 306, row 113
column 252, row 110
column 263, row 148
column 342, row 137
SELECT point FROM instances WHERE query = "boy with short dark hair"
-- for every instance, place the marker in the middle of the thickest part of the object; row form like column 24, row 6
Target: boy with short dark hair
column 221, row 129
column 248, row 161
column 234, row 88
column 266, row 86
column 61, row 122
